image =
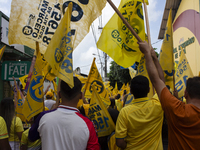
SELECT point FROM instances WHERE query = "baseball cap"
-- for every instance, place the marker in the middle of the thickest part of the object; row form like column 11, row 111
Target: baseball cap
column 49, row 93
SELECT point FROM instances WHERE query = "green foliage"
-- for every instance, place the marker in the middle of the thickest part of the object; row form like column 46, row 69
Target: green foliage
column 118, row 75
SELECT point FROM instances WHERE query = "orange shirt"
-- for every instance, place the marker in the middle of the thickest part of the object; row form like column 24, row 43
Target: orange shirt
column 183, row 122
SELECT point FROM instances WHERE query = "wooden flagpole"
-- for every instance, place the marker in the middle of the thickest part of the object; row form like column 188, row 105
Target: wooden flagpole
column 124, row 20
column 147, row 23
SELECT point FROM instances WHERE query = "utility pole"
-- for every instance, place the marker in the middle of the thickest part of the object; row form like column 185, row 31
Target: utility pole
column 105, row 65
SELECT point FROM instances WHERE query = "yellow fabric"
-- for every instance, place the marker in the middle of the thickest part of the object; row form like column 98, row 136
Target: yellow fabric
column 48, row 72
column 19, row 106
column 81, row 78
column 132, row 72
column 94, row 78
column 39, row 20
column 23, row 81
column 166, row 54
column 183, row 72
column 140, row 124
column 86, row 108
column 25, row 141
column 143, row 71
column 59, row 54
column 129, row 99
column 99, row 115
column 112, row 143
column 3, row 129
column 33, row 103
column 117, row 41
column 119, row 104
column 80, row 103
column 2, row 51
column 16, row 126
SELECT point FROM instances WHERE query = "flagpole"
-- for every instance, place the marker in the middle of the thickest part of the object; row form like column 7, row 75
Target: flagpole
column 147, row 23
column 124, row 20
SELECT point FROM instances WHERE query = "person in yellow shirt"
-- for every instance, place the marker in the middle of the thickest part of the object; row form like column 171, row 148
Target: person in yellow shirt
column 139, row 124
column 13, row 123
column 4, row 144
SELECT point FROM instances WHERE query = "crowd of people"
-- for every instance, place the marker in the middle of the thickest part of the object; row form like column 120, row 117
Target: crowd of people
column 138, row 124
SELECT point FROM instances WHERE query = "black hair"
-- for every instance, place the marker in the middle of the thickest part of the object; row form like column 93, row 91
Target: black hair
column 70, row 93
column 193, row 87
column 7, row 111
column 114, row 114
column 117, row 96
column 112, row 103
column 139, row 86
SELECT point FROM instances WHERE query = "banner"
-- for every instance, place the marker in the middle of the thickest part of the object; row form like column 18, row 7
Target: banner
column 23, row 81
column 132, row 72
column 59, row 50
column 37, row 20
column 99, row 115
column 117, row 41
column 183, row 72
column 141, row 70
column 95, row 79
column 33, row 104
column 166, row 54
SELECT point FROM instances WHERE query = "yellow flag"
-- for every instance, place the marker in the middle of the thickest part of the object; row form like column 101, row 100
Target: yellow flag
column 2, row 51
column 55, row 87
column 117, row 41
column 23, row 80
column 81, row 78
column 95, row 79
column 99, row 115
column 33, row 104
column 37, row 20
column 19, row 106
column 19, row 100
column 132, row 72
column 59, row 50
column 143, row 71
column 115, row 90
column 183, row 72
column 48, row 72
column 166, row 54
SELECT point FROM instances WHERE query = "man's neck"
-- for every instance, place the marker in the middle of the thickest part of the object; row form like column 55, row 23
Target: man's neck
column 195, row 102
column 69, row 104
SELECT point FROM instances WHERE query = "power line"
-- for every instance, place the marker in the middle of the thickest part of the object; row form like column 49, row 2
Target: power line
column 156, row 42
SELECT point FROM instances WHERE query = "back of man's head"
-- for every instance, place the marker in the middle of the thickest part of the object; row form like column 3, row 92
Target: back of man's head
column 68, row 93
column 139, row 86
column 193, row 87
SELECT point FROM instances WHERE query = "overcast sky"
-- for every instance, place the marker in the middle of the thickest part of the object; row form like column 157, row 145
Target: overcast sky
column 83, row 54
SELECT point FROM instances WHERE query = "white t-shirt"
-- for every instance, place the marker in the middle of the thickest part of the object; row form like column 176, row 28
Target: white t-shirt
column 49, row 103
column 64, row 129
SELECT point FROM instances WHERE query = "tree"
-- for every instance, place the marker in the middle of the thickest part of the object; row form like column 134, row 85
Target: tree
column 118, row 75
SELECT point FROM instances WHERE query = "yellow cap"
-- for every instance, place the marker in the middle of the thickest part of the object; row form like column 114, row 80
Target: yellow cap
column 49, row 93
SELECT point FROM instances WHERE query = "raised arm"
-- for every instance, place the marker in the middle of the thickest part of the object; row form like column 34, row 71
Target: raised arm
column 157, row 82
column 157, row 64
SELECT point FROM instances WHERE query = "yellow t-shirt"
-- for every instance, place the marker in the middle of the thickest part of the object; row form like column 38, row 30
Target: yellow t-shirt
column 3, row 129
column 25, row 141
column 112, row 142
column 16, row 126
column 140, row 124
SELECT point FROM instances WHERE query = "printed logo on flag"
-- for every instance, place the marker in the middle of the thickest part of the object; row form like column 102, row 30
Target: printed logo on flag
column 58, row 55
column 20, row 103
column 98, row 86
column 36, row 88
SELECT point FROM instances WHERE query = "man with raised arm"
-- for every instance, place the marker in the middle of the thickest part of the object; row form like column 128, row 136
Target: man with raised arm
column 139, row 125
column 65, row 128
column 183, row 119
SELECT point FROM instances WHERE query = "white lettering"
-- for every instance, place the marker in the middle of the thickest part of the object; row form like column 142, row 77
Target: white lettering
column 15, row 71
